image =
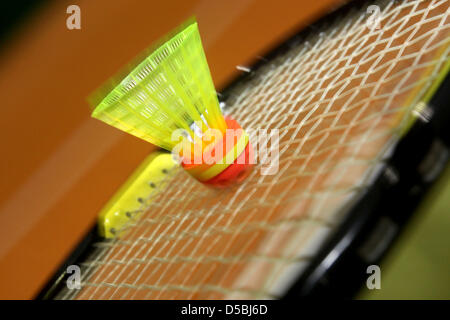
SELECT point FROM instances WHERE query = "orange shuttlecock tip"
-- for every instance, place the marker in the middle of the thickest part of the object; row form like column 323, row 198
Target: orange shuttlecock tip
column 226, row 161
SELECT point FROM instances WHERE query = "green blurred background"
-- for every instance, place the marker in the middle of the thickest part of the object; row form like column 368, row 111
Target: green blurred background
column 417, row 266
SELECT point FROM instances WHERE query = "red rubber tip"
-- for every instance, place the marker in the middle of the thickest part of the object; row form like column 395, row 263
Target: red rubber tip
column 236, row 172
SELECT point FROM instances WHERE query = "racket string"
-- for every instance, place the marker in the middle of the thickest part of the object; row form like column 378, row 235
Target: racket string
column 247, row 242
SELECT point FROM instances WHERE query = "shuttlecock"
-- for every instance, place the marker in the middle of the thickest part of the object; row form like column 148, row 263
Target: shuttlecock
column 169, row 100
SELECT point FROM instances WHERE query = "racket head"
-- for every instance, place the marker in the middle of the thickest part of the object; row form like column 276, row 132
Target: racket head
column 347, row 82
